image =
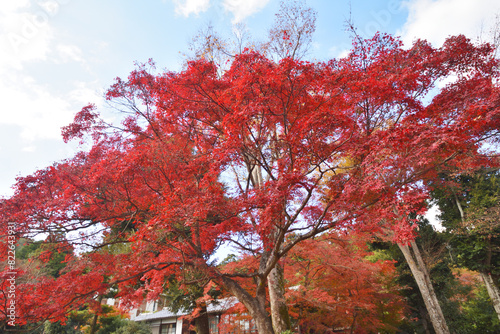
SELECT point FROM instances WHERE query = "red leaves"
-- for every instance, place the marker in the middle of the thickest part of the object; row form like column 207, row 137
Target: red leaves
column 263, row 157
column 85, row 121
column 333, row 285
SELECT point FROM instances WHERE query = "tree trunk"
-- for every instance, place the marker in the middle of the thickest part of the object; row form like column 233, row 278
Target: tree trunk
column 421, row 275
column 280, row 317
column 256, row 306
column 491, row 287
column 425, row 317
column 279, row 309
column 493, row 291
column 201, row 322
column 93, row 326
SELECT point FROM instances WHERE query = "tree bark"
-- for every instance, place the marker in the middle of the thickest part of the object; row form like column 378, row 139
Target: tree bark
column 255, row 305
column 93, row 326
column 201, row 322
column 421, row 275
column 280, row 317
column 491, row 287
column 279, row 309
column 425, row 317
column 493, row 291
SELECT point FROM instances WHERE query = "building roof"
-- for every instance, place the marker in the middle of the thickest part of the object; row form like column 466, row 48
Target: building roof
column 219, row 306
column 165, row 313
column 222, row 305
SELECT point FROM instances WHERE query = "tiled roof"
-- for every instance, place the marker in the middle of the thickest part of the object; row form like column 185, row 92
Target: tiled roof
column 220, row 306
column 165, row 313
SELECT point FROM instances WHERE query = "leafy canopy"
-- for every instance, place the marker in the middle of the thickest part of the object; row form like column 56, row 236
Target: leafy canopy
column 249, row 157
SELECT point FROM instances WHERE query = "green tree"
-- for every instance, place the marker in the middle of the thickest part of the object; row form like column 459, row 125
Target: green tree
column 78, row 322
column 479, row 316
column 53, row 249
column 437, row 261
column 470, row 207
column 132, row 327
column 187, row 295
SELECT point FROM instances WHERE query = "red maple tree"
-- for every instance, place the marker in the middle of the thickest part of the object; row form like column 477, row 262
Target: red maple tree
column 248, row 158
column 333, row 286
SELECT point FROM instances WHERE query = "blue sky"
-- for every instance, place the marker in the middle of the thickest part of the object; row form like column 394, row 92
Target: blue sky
column 58, row 55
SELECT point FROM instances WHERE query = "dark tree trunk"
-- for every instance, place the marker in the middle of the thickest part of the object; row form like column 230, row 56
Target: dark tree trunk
column 255, row 305
column 201, row 322
column 93, row 326
column 424, row 316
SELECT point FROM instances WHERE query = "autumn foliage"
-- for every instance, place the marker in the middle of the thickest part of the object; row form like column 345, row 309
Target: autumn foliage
column 248, row 158
column 333, row 285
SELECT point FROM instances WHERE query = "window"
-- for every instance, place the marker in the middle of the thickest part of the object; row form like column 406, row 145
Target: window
column 167, row 329
column 213, row 324
column 238, row 324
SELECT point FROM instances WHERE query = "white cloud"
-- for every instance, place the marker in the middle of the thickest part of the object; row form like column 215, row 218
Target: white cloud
column 39, row 113
column 70, row 53
column 432, row 215
column 241, row 9
column 435, row 20
column 25, row 34
column 27, row 37
column 85, row 93
column 30, row 148
column 24, row 38
column 30, row 106
column 339, row 51
column 8, row 7
column 188, row 7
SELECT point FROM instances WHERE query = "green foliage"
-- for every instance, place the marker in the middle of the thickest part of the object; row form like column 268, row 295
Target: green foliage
column 229, row 258
column 287, row 332
column 108, row 322
column 479, row 314
column 72, row 326
column 379, row 255
column 26, row 248
column 182, row 296
column 466, row 307
column 437, row 258
column 132, row 327
column 475, row 238
column 179, row 297
column 29, row 249
column 56, row 264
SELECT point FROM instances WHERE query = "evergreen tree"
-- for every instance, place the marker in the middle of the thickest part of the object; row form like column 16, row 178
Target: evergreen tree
column 470, row 207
